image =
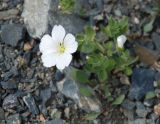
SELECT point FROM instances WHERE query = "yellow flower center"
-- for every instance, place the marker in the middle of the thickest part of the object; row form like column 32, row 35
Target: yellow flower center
column 61, row 48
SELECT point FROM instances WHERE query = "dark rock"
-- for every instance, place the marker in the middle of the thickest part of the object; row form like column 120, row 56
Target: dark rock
column 129, row 105
column 55, row 121
column 8, row 85
column 2, row 115
column 10, row 101
column 13, row 72
column 27, row 57
column 72, row 24
column 59, row 75
column 156, row 40
column 142, row 82
column 158, row 121
column 89, row 7
column 45, row 95
column 157, row 76
column 148, row 102
column 14, row 119
column 12, row 34
column 141, row 110
column 30, row 102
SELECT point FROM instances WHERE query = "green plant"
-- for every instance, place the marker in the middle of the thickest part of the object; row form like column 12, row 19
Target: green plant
column 104, row 58
column 67, row 6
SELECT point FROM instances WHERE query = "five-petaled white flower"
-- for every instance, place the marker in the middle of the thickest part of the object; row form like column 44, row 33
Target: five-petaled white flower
column 121, row 40
column 57, row 48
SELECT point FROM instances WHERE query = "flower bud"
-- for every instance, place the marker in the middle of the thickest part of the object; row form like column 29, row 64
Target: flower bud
column 121, row 40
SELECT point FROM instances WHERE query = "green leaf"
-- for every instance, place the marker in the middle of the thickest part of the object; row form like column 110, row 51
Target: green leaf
column 102, row 75
column 67, row 6
column 119, row 100
column 116, row 28
column 150, row 95
column 91, row 116
column 87, row 47
column 149, row 26
column 79, row 75
column 90, row 33
column 128, row 71
column 85, row 91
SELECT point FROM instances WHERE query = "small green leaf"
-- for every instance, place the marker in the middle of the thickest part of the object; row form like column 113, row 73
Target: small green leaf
column 102, row 75
column 128, row 71
column 119, row 100
column 85, row 91
column 90, row 33
column 79, row 75
column 87, row 47
column 150, row 95
column 91, row 116
column 67, row 6
column 149, row 26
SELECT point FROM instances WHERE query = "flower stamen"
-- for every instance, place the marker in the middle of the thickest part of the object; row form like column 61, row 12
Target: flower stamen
column 61, row 48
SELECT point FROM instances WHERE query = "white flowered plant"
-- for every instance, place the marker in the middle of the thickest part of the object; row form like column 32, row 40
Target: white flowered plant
column 57, row 49
column 121, row 40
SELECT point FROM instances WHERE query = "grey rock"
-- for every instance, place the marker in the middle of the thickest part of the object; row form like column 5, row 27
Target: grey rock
column 156, row 40
column 14, row 119
column 10, row 101
column 45, row 95
column 127, row 104
column 117, row 12
column 154, row 116
column 70, row 89
column 8, row 14
column 8, row 85
column 45, row 13
column 72, row 23
column 35, row 14
column 141, row 110
column 142, row 82
column 138, row 121
column 158, row 121
column 89, row 7
column 129, row 114
column 2, row 115
column 12, row 34
column 89, row 104
column 30, row 102
column 55, row 121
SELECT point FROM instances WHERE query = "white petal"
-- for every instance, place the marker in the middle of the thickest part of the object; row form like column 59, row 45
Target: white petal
column 70, row 43
column 63, row 61
column 49, row 60
column 121, row 40
column 47, row 44
column 58, row 32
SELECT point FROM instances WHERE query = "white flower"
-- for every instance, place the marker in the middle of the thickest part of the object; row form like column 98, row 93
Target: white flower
column 57, row 48
column 121, row 40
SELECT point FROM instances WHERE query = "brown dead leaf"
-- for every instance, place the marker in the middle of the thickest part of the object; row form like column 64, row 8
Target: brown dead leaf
column 145, row 55
column 42, row 118
column 27, row 46
column 157, row 109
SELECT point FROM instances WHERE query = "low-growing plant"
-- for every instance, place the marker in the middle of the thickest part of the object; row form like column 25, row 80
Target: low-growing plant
column 103, row 59
column 67, row 6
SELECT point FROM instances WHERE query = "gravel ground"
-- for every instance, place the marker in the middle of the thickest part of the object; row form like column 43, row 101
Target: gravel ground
column 33, row 94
